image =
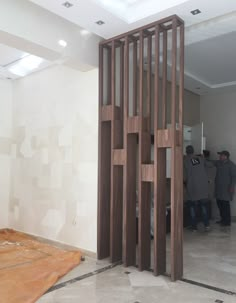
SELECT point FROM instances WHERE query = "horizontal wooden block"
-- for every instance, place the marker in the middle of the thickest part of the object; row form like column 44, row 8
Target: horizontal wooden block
column 118, row 157
column 165, row 138
column 107, row 113
column 147, row 172
column 133, row 125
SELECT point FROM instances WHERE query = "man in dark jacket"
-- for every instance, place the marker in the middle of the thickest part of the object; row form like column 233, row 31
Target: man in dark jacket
column 224, row 186
column 196, row 180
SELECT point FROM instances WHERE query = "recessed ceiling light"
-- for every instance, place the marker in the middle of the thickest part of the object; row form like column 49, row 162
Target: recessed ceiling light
column 67, row 4
column 62, row 43
column 100, row 22
column 84, row 32
column 196, row 12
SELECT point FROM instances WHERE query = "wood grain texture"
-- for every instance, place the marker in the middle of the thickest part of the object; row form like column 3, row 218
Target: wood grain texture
column 177, row 219
column 147, row 173
column 165, row 137
column 116, row 174
column 164, row 81
column 159, row 173
column 129, row 190
column 144, row 188
column 133, row 125
column 118, row 156
column 176, row 173
column 149, row 82
column 129, row 226
column 119, row 135
column 104, row 168
column 106, row 114
column 135, row 69
column 143, row 28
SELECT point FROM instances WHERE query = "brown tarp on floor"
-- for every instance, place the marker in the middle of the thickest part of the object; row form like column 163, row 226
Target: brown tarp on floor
column 28, row 268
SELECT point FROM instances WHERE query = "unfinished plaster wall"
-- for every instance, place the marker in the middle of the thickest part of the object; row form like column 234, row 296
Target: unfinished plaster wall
column 5, row 148
column 54, row 166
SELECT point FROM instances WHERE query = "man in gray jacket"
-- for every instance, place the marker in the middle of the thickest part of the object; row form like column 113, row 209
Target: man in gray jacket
column 196, row 181
column 224, row 186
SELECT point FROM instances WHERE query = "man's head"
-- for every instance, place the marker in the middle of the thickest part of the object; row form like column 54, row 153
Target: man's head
column 224, row 155
column 189, row 150
column 206, row 154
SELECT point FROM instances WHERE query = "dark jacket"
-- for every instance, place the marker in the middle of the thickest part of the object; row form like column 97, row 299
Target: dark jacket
column 195, row 178
column 225, row 180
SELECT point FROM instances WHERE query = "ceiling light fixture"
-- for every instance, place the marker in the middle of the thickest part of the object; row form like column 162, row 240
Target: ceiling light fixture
column 25, row 65
column 62, row 43
column 100, row 22
column 67, row 4
column 84, row 32
column 196, row 12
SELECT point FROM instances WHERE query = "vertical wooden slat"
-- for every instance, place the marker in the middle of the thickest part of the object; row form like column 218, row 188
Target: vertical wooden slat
column 149, row 74
column 176, row 183
column 109, row 80
column 135, row 51
column 149, row 81
column 129, row 188
column 116, row 175
column 181, row 83
column 104, row 166
column 144, row 187
column 179, row 169
column 164, row 79
column 159, row 176
column 122, row 81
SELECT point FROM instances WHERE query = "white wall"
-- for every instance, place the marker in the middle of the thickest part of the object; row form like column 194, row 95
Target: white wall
column 5, row 148
column 54, row 169
column 218, row 112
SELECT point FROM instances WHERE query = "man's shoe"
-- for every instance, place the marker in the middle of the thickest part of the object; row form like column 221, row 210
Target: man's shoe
column 207, row 228
column 219, row 222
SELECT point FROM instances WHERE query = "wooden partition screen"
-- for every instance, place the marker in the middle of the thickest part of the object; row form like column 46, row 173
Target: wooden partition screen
column 139, row 119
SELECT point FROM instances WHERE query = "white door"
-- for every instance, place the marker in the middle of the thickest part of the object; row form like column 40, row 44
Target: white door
column 197, row 139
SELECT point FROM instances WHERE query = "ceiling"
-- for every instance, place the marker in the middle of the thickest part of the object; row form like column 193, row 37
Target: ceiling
column 210, row 44
column 85, row 13
column 11, row 57
column 212, row 63
column 7, row 56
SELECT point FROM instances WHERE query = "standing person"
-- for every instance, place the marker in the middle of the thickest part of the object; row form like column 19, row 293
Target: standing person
column 224, row 186
column 195, row 178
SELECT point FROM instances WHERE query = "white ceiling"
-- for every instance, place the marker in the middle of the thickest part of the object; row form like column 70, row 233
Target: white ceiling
column 86, row 12
column 210, row 47
column 213, row 61
column 10, row 56
column 210, row 40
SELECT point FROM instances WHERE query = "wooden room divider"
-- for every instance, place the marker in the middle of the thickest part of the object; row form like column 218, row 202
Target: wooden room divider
column 134, row 71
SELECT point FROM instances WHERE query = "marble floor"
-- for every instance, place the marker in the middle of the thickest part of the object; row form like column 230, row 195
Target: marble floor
column 209, row 258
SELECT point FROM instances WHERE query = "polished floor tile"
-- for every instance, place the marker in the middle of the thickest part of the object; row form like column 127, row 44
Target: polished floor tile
column 115, row 285
column 209, row 258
